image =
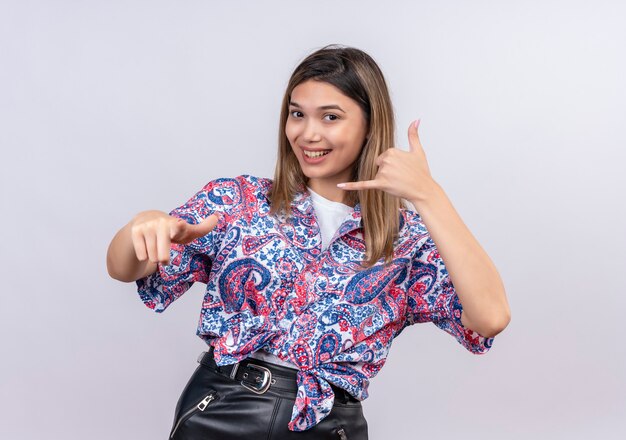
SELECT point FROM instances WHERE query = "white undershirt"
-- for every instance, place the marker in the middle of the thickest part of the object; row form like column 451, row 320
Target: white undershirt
column 330, row 215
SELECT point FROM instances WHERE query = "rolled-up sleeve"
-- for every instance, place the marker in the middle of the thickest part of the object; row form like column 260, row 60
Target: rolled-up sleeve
column 431, row 297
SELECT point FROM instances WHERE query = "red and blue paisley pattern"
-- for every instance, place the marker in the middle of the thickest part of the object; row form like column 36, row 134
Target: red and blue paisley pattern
column 269, row 285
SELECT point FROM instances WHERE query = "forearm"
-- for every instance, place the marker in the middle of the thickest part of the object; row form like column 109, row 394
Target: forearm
column 473, row 274
column 122, row 262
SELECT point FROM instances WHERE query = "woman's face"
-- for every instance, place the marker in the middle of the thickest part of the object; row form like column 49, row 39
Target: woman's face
column 326, row 130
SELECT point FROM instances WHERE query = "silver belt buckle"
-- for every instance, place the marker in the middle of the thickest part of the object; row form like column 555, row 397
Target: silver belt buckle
column 263, row 384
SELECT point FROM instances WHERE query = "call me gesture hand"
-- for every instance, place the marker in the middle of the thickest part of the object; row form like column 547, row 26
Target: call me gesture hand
column 401, row 173
column 477, row 282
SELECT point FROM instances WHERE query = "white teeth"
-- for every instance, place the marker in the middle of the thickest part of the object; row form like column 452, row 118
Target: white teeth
column 315, row 153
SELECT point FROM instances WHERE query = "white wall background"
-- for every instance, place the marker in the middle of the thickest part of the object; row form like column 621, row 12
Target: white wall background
column 110, row 108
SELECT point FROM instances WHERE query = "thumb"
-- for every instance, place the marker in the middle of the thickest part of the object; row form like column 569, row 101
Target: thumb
column 190, row 232
column 414, row 138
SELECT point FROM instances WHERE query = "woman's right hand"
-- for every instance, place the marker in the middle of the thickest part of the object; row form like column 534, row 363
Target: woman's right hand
column 145, row 241
column 153, row 232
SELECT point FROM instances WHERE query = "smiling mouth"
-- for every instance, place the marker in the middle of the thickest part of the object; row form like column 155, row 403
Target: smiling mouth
column 314, row 154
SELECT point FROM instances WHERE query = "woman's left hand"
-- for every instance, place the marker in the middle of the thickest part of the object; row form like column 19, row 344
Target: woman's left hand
column 401, row 173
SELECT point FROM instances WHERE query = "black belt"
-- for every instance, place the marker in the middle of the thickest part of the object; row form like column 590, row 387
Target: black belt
column 259, row 376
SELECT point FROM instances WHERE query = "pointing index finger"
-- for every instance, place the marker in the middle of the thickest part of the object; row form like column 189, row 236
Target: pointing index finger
column 193, row 231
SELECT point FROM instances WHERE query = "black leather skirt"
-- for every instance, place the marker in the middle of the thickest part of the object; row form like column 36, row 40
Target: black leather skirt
column 254, row 400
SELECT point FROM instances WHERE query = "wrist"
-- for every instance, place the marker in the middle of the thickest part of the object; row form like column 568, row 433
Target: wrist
column 429, row 193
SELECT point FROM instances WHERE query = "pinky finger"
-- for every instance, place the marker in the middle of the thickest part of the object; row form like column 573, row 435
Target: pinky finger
column 363, row 184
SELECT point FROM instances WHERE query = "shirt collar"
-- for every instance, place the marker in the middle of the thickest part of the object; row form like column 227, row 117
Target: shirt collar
column 303, row 203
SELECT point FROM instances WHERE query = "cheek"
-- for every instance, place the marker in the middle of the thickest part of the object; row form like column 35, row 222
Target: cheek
column 353, row 142
column 290, row 132
column 349, row 136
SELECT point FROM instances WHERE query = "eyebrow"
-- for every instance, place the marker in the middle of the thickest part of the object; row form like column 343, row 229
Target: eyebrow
column 323, row 107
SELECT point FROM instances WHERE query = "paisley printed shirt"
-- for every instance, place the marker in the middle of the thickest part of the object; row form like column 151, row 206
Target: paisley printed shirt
column 270, row 286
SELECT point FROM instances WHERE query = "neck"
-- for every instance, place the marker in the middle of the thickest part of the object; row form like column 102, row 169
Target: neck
column 327, row 188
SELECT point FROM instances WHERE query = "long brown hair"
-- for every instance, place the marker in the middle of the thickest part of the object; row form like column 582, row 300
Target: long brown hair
column 358, row 77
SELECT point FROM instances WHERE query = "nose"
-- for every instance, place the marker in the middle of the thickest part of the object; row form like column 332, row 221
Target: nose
column 311, row 132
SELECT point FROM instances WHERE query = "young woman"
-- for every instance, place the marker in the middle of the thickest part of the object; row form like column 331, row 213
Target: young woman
column 310, row 276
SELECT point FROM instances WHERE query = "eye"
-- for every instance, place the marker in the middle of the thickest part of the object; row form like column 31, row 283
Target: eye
column 331, row 117
column 296, row 113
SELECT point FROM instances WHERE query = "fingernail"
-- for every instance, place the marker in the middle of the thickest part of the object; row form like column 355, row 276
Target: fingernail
column 417, row 123
column 341, row 185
